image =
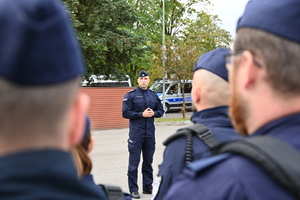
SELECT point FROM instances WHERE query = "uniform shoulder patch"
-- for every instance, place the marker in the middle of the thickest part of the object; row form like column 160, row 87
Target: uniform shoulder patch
column 128, row 95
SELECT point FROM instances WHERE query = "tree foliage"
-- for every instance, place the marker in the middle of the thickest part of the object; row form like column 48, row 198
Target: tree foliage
column 104, row 29
column 121, row 37
column 200, row 35
column 185, row 22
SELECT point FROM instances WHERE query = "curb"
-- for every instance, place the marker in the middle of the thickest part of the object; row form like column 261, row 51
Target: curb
column 179, row 123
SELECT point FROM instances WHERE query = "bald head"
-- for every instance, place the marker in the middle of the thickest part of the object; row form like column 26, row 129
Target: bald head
column 209, row 90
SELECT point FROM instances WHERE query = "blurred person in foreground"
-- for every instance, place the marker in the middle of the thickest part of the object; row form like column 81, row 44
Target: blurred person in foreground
column 210, row 97
column 42, row 111
column 84, row 165
column 264, row 71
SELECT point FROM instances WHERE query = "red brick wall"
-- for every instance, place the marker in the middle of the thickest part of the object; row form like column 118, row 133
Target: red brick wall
column 106, row 107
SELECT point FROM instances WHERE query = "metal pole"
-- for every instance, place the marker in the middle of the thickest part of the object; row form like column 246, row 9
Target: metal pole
column 163, row 56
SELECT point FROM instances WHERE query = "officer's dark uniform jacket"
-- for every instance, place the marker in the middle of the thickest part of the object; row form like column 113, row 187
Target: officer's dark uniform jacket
column 46, row 174
column 237, row 177
column 134, row 104
column 216, row 119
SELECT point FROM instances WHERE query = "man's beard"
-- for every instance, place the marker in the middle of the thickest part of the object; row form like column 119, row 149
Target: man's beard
column 238, row 110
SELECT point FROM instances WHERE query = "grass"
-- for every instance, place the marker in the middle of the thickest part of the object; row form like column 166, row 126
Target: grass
column 171, row 119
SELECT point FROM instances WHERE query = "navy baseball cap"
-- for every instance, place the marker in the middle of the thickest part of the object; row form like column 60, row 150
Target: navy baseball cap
column 214, row 62
column 281, row 18
column 143, row 73
column 38, row 45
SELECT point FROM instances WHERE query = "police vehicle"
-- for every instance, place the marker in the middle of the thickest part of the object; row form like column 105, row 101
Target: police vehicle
column 173, row 94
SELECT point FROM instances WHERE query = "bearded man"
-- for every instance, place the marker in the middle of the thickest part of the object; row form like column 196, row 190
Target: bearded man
column 264, row 74
column 210, row 97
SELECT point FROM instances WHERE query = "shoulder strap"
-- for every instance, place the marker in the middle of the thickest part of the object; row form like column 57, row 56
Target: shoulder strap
column 204, row 134
column 199, row 130
column 278, row 158
column 113, row 192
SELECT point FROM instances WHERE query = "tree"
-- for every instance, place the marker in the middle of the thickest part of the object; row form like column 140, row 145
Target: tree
column 202, row 35
column 104, row 31
column 205, row 33
column 149, row 24
column 180, row 19
column 189, row 33
column 181, row 60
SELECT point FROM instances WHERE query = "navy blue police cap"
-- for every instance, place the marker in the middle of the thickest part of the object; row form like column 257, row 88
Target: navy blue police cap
column 143, row 73
column 214, row 62
column 38, row 45
column 281, row 18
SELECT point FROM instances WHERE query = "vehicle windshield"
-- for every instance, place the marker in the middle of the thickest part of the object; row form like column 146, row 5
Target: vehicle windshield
column 158, row 87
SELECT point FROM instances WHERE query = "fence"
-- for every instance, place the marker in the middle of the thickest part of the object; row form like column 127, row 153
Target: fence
column 106, row 107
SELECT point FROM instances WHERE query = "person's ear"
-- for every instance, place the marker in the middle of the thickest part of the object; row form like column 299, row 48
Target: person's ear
column 77, row 118
column 249, row 70
column 196, row 94
column 91, row 144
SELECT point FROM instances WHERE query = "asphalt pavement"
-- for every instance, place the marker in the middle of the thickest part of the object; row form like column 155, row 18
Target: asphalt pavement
column 110, row 154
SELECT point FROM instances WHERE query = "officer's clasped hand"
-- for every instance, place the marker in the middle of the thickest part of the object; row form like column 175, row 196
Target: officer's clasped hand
column 148, row 112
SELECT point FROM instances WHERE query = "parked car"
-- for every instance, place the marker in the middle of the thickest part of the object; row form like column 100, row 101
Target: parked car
column 173, row 93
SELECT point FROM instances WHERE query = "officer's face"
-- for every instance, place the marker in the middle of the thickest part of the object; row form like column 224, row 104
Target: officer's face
column 143, row 82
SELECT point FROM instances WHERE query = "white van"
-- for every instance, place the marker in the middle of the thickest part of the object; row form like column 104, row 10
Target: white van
column 173, row 94
column 104, row 81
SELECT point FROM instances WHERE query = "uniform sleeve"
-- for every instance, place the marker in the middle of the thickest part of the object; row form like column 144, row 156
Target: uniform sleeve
column 160, row 110
column 127, row 108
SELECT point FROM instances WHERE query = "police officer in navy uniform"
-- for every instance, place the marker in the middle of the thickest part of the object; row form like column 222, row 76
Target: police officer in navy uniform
column 42, row 112
column 264, row 71
column 141, row 106
column 210, row 97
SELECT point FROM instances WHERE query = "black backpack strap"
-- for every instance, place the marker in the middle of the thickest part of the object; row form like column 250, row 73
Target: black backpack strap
column 278, row 158
column 113, row 192
column 199, row 130
column 204, row 134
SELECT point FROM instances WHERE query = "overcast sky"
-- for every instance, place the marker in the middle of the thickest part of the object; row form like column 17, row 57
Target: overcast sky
column 229, row 11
